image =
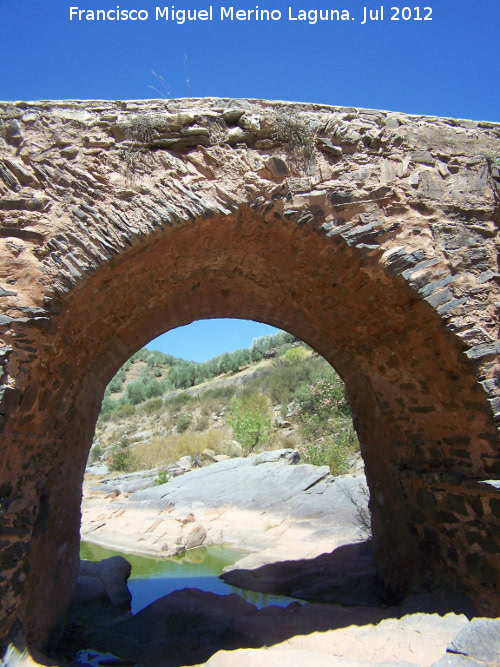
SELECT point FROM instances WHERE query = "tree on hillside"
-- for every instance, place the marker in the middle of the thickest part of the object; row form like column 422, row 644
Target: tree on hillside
column 251, row 421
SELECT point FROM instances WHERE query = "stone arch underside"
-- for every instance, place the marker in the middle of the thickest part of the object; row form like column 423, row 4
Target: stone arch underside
column 373, row 238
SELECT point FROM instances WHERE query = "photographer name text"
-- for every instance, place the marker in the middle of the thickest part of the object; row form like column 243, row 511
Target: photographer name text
column 310, row 16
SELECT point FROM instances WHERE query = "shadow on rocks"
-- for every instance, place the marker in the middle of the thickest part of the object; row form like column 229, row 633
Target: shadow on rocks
column 189, row 626
column 347, row 576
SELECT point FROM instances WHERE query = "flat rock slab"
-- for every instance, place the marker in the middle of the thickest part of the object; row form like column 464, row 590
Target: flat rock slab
column 455, row 660
column 272, row 657
column 270, row 482
column 264, row 503
column 480, row 640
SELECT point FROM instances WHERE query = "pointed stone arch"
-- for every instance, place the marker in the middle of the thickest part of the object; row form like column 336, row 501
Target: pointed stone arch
column 371, row 236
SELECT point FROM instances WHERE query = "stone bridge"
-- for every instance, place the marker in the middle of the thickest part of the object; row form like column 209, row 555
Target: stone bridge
column 372, row 236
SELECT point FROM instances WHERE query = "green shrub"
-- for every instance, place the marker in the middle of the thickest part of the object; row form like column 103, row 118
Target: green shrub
column 115, row 385
column 249, row 416
column 292, row 373
column 162, row 478
column 153, row 405
column 95, row 453
column 333, row 453
column 326, row 424
column 295, row 354
column 219, row 392
column 144, row 128
column 108, row 405
column 182, row 376
column 136, row 392
column 202, row 423
column 120, row 459
column 183, row 421
column 293, row 130
column 324, row 397
column 154, row 388
column 179, row 400
column 123, row 412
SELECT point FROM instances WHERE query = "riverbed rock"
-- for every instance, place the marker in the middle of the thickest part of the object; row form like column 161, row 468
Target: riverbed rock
column 221, row 457
column 89, row 591
column 346, row 576
column 196, row 537
column 478, row 641
column 185, row 462
column 128, row 482
column 190, row 626
column 277, row 657
column 181, row 628
column 266, row 481
column 265, row 503
column 208, row 456
column 113, row 574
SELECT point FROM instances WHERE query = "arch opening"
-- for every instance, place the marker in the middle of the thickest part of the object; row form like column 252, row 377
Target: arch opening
column 260, row 384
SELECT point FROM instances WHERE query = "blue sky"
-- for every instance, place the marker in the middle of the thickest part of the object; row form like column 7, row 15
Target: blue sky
column 205, row 339
column 447, row 66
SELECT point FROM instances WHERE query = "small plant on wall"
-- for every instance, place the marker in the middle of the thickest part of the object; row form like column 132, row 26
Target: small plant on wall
column 295, row 131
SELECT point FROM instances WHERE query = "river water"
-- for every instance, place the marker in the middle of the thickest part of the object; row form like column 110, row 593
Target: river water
column 152, row 578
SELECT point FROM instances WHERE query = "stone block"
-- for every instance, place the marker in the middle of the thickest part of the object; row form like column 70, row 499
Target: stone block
column 277, row 166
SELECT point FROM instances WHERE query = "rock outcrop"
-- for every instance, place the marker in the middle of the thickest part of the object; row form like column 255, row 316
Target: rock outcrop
column 359, row 621
column 264, row 503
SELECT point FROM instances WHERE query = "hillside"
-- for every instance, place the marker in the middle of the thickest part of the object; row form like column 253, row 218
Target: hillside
column 276, row 394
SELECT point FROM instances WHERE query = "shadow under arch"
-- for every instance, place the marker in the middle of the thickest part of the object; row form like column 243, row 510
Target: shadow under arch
column 420, row 419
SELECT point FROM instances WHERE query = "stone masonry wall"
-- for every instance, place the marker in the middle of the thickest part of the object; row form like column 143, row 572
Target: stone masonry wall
column 371, row 235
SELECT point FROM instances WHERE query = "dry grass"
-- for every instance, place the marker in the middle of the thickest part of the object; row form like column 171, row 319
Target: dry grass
column 202, row 423
column 210, row 406
column 164, row 451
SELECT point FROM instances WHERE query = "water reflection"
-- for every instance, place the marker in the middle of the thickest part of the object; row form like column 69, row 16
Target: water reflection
column 152, row 578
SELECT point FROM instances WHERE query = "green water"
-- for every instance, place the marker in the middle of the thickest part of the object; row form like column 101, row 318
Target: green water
column 152, row 578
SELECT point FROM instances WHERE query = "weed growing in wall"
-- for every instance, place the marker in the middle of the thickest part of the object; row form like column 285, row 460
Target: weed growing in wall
column 295, row 132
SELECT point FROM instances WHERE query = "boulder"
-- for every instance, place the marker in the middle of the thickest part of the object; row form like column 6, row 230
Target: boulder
column 188, row 626
column 480, row 640
column 185, row 462
column 113, row 574
column 196, row 537
column 221, row 457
